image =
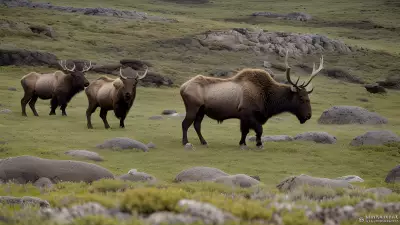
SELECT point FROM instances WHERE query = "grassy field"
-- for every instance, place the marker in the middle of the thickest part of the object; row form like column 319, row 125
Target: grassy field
column 106, row 39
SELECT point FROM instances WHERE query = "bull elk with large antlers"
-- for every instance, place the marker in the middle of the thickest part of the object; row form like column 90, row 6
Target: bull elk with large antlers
column 252, row 96
column 60, row 87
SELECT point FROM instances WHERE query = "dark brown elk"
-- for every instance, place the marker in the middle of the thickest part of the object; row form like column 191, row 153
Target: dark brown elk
column 60, row 87
column 113, row 94
column 252, row 96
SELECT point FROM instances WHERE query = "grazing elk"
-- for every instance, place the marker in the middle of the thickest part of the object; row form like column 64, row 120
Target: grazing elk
column 113, row 94
column 60, row 87
column 252, row 96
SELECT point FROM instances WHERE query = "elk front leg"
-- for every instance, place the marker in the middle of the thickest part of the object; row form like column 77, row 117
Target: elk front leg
column 245, row 129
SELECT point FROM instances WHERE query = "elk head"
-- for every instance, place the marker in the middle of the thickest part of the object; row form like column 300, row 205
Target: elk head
column 300, row 105
column 78, row 77
column 129, row 83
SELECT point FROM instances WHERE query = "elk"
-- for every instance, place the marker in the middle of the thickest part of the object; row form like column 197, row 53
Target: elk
column 251, row 95
column 113, row 94
column 60, row 87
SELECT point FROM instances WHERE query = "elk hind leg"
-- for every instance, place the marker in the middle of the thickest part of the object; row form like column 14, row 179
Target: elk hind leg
column 197, row 125
column 32, row 103
column 90, row 110
column 27, row 97
column 244, row 129
column 103, row 116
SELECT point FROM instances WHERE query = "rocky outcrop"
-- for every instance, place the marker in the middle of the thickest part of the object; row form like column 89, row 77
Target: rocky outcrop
column 122, row 143
column 199, row 173
column 377, row 137
column 317, row 137
column 291, row 183
column 21, row 57
column 375, row 89
column 350, row 115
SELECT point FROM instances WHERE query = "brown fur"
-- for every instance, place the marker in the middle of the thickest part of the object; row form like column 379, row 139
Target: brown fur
column 251, row 95
column 60, row 87
column 109, row 94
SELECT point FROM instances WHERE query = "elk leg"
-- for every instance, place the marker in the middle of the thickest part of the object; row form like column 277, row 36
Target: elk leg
column 24, row 101
column 186, row 123
column 32, row 104
column 53, row 105
column 91, row 109
column 63, row 106
column 197, row 125
column 259, row 130
column 103, row 116
column 245, row 129
column 121, row 121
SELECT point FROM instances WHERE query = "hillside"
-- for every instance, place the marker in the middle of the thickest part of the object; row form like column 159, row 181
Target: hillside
column 179, row 39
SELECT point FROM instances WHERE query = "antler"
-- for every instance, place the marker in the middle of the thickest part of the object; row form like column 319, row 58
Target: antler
column 87, row 68
column 145, row 73
column 120, row 74
column 65, row 66
column 313, row 74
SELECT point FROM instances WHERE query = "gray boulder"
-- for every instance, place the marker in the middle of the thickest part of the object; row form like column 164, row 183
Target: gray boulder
column 375, row 88
column 123, row 143
column 43, row 183
column 351, row 178
column 272, row 138
column 350, row 115
column 151, row 145
column 199, row 173
column 162, row 218
column 239, row 180
column 380, row 191
column 380, row 137
column 318, row 137
column 134, row 175
column 12, row 89
column 85, row 154
column 5, row 111
column 291, row 183
column 393, row 175
column 25, row 169
column 168, row 112
column 24, row 201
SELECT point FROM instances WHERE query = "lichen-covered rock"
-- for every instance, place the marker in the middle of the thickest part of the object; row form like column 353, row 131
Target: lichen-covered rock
column 85, row 154
column 123, row 143
column 351, row 178
column 393, row 175
column 272, row 138
column 24, row 57
column 134, row 175
column 318, row 137
column 199, row 173
column 24, row 201
column 350, row 115
column 379, row 137
column 240, row 180
column 25, row 169
column 291, row 183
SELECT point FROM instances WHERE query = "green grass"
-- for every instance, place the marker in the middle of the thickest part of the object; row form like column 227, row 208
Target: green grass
column 107, row 40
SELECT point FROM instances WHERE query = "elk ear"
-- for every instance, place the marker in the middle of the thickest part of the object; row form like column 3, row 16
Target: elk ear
column 118, row 83
column 293, row 88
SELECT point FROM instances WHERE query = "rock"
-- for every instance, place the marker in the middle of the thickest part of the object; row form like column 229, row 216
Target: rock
column 135, row 176
column 318, row 137
column 85, row 154
column 12, row 89
column 158, row 117
column 43, row 183
column 45, row 30
column 256, row 177
column 393, row 175
column 272, row 138
column 21, row 57
column 300, row 16
column 363, row 99
column 129, row 14
column 168, row 112
column 343, row 75
column 68, row 215
column 350, row 115
column 156, row 79
column 291, row 183
column 351, row 178
column 107, row 69
column 28, row 168
column 379, row 137
column 199, row 173
column 221, row 73
column 161, row 218
column 5, row 111
column 375, row 88
column 380, row 191
column 240, row 180
column 123, row 143
column 333, row 215
column 151, row 145
column 209, row 214
column 189, row 146
column 24, row 201
column 392, row 81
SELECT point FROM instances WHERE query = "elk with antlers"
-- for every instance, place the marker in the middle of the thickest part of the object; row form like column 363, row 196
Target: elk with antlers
column 113, row 94
column 252, row 96
column 59, row 86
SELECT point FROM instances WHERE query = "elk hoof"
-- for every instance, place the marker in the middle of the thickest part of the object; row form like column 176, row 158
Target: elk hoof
column 189, row 146
column 244, row 147
column 260, row 146
column 24, row 114
column 90, row 127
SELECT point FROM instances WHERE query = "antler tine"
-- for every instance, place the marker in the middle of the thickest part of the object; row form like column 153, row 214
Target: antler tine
column 87, row 68
column 120, row 74
column 288, row 70
column 61, row 64
column 315, row 72
column 145, row 73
